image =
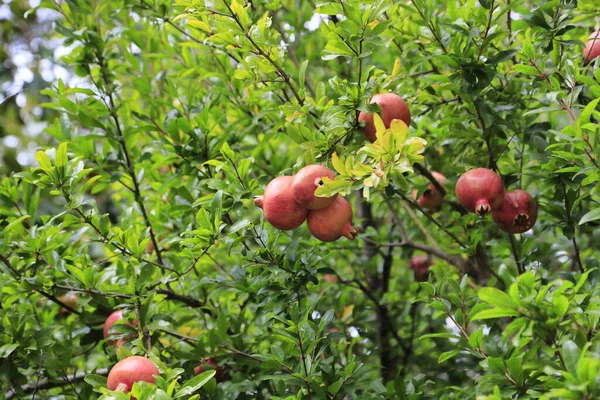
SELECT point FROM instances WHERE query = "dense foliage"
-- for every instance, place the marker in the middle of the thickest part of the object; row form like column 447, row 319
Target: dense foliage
column 186, row 109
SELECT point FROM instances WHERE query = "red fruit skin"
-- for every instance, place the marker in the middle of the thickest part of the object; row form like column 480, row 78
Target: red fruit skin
column 420, row 265
column 330, row 278
column 130, row 370
column 480, row 191
column 592, row 47
column 331, row 223
column 306, row 181
column 112, row 318
column 211, row 363
column 432, row 199
column 518, row 212
column 392, row 107
column 279, row 206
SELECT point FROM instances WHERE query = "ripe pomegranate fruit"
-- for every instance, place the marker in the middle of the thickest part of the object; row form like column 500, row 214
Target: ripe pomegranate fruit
column 420, row 265
column 306, row 181
column 592, row 47
column 480, row 191
column 210, row 363
column 518, row 212
column 112, row 318
column 130, row 370
column 432, row 199
column 280, row 208
column 331, row 223
column 392, row 107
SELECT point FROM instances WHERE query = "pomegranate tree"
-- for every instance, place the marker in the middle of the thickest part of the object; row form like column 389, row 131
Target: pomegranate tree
column 331, row 223
column 279, row 206
column 130, row 370
column 480, row 191
column 392, row 107
column 306, row 181
column 518, row 212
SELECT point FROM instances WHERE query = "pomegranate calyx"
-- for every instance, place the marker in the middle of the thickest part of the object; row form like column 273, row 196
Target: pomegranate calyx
column 350, row 232
column 482, row 208
column 258, row 201
column 521, row 220
column 122, row 387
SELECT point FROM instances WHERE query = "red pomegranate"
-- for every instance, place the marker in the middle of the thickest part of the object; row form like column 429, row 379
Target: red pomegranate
column 208, row 364
column 518, row 212
column 392, row 107
column 592, row 47
column 432, row 199
column 480, row 191
column 330, row 278
column 112, row 318
column 420, row 265
column 279, row 206
column 306, row 181
column 130, row 370
column 70, row 300
column 331, row 223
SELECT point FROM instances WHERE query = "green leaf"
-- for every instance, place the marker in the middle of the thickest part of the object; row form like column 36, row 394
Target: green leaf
column 302, row 74
column 62, row 157
column 590, row 216
column 447, row 355
column 497, row 298
column 44, row 161
column 195, row 384
column 495, row 313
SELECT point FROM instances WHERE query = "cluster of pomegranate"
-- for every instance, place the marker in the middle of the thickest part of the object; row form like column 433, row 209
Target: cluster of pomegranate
column 133, row 369
column 481, row 191
column 290, row 200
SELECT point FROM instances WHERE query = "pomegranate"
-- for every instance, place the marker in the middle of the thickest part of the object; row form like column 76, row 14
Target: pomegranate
column 420, row 265
column 392, row 107
column 210, row 363
column 592, row 47
column 130, row 370
column 69, row 300
column 330, row 278
column 280, row 208
column 480, row 190
column 331, row 223
column 518, row 212
column 432, row 199
column 306, row 181
column 112, row 318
